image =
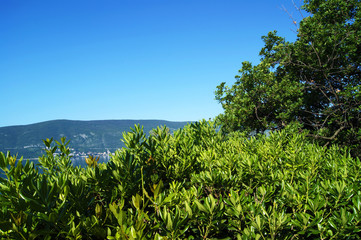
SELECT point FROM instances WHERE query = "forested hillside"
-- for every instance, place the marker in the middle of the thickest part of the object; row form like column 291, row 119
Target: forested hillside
column 85, row 136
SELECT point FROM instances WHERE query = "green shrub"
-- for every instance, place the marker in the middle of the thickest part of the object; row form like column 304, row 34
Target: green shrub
column 193, row 184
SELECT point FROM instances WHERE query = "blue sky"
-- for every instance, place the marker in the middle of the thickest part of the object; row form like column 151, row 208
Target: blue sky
column 127, row 59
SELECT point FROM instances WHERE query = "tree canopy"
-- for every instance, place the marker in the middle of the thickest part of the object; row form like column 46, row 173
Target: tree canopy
column 314, row 80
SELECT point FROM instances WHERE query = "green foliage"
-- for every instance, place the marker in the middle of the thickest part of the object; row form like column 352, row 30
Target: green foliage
column 193, row 184
column 314, row 81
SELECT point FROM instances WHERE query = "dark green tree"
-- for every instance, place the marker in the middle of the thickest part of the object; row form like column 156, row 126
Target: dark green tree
column 314, row 81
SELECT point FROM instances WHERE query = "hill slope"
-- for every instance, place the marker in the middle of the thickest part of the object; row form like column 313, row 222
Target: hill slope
column 84, row 136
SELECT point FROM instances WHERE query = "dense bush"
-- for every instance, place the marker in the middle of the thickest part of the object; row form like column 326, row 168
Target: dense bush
column 193, row 184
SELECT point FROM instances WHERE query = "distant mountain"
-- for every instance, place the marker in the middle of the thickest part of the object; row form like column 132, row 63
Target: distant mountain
column 85, row 136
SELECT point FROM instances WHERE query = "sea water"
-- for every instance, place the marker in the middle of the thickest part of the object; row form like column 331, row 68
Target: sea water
column 77, row 161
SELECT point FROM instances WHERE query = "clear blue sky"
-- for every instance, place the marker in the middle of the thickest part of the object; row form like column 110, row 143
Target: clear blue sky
column 127, row 59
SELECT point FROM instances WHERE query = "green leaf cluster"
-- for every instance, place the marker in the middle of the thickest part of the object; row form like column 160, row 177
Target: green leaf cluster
column 193, row 184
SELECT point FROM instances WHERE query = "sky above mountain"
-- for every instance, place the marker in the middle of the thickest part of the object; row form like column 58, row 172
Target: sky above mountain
column 128, row 59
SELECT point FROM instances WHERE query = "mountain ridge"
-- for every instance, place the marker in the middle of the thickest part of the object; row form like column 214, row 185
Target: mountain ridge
column 84, row 135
